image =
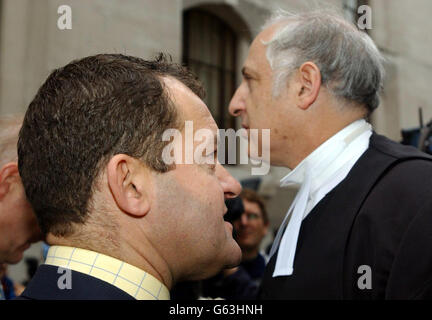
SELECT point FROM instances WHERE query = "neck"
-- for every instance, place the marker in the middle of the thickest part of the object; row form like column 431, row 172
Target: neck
column 249, row 254
column 127, row 251
column 319, row 131
column 144, row 256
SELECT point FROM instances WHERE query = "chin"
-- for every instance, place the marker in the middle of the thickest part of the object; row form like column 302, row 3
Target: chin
column 15, row 257
column 236, row 257
column 245, row 243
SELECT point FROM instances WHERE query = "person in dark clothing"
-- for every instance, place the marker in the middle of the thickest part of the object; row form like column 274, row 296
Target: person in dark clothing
column 8, row 288
column 251, row 227
column 359, row 226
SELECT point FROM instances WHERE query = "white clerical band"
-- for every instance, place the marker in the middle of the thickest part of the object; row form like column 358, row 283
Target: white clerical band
column 285, row 258
column 311, row 179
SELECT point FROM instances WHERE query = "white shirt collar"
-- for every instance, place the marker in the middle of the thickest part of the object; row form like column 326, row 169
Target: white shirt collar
column 317, row 174
column 311, row 162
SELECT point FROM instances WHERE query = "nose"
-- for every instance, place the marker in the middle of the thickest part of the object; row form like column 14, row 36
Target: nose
column 244, row 219
column 237, row 104
column 230, row 185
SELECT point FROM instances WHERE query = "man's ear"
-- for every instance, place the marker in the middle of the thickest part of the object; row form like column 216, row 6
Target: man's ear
column 8, row 174
column 310, row 84
column 125, row 177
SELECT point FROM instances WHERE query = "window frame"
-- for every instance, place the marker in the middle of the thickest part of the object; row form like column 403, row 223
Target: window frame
column 223, row 120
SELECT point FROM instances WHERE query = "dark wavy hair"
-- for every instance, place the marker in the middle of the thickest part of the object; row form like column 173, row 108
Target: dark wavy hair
column 85, row 113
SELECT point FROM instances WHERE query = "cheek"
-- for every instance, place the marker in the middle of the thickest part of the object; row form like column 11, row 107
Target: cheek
column 256, row 228
column 28, row 220
column 236, row 225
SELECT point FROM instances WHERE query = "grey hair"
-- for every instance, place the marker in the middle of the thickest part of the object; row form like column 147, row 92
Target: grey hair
column 9, row 129
column 351, row 65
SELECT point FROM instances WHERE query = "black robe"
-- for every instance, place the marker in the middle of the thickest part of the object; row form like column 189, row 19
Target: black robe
column 379, row 216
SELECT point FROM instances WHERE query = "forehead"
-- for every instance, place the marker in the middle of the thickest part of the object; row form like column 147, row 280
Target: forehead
column 257, row 60
column 189, row 105
column 251, row 206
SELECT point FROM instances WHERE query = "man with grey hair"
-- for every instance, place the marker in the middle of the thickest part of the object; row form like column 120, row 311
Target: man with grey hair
column 18, row 225
column 359, row 227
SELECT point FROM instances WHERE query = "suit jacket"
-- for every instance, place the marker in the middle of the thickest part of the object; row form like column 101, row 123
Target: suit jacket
column 370, row 237
column 44, row 286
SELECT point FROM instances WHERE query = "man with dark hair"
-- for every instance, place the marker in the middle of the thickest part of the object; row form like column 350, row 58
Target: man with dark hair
column 121, row 220
column 251, row 228
column 359, row 227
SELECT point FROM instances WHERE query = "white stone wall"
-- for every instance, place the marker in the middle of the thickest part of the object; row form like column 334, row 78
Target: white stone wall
column 32, row 45
column 402, row 30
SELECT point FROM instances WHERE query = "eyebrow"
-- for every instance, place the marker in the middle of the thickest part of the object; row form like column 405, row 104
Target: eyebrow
column 247, row 70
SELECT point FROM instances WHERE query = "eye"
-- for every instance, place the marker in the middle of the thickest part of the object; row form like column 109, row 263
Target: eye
column 252, row 216
column 247, row 77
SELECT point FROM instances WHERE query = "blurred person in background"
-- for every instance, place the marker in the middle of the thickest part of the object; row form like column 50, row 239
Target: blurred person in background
column 8, row 289
column 250, row 226
column 18, row 223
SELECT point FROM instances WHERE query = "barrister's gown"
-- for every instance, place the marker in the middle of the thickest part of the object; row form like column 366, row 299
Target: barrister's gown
column 380, row 215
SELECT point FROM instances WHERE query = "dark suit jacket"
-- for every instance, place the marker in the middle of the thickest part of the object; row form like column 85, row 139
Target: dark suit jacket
column 44, row 286
column 379, row 216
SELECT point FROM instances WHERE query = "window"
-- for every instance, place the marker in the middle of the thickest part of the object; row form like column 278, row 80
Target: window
column 209, row 50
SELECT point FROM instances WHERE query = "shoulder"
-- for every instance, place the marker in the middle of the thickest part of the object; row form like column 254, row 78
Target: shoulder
column 52, row 283
column 403, row 188
column 386, row 146
column 409, row 168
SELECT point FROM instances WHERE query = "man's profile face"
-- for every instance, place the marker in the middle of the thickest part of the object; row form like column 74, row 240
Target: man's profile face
column 18, row 223
column 189, row 201
column 253, row 100
column 250, row 227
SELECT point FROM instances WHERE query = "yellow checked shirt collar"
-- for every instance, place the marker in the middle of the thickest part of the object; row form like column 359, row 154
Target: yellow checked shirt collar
column 134, row 281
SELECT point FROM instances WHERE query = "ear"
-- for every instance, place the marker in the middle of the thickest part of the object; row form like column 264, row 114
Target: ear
column 125, row 179
column 310, row 84
column 8, row 175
